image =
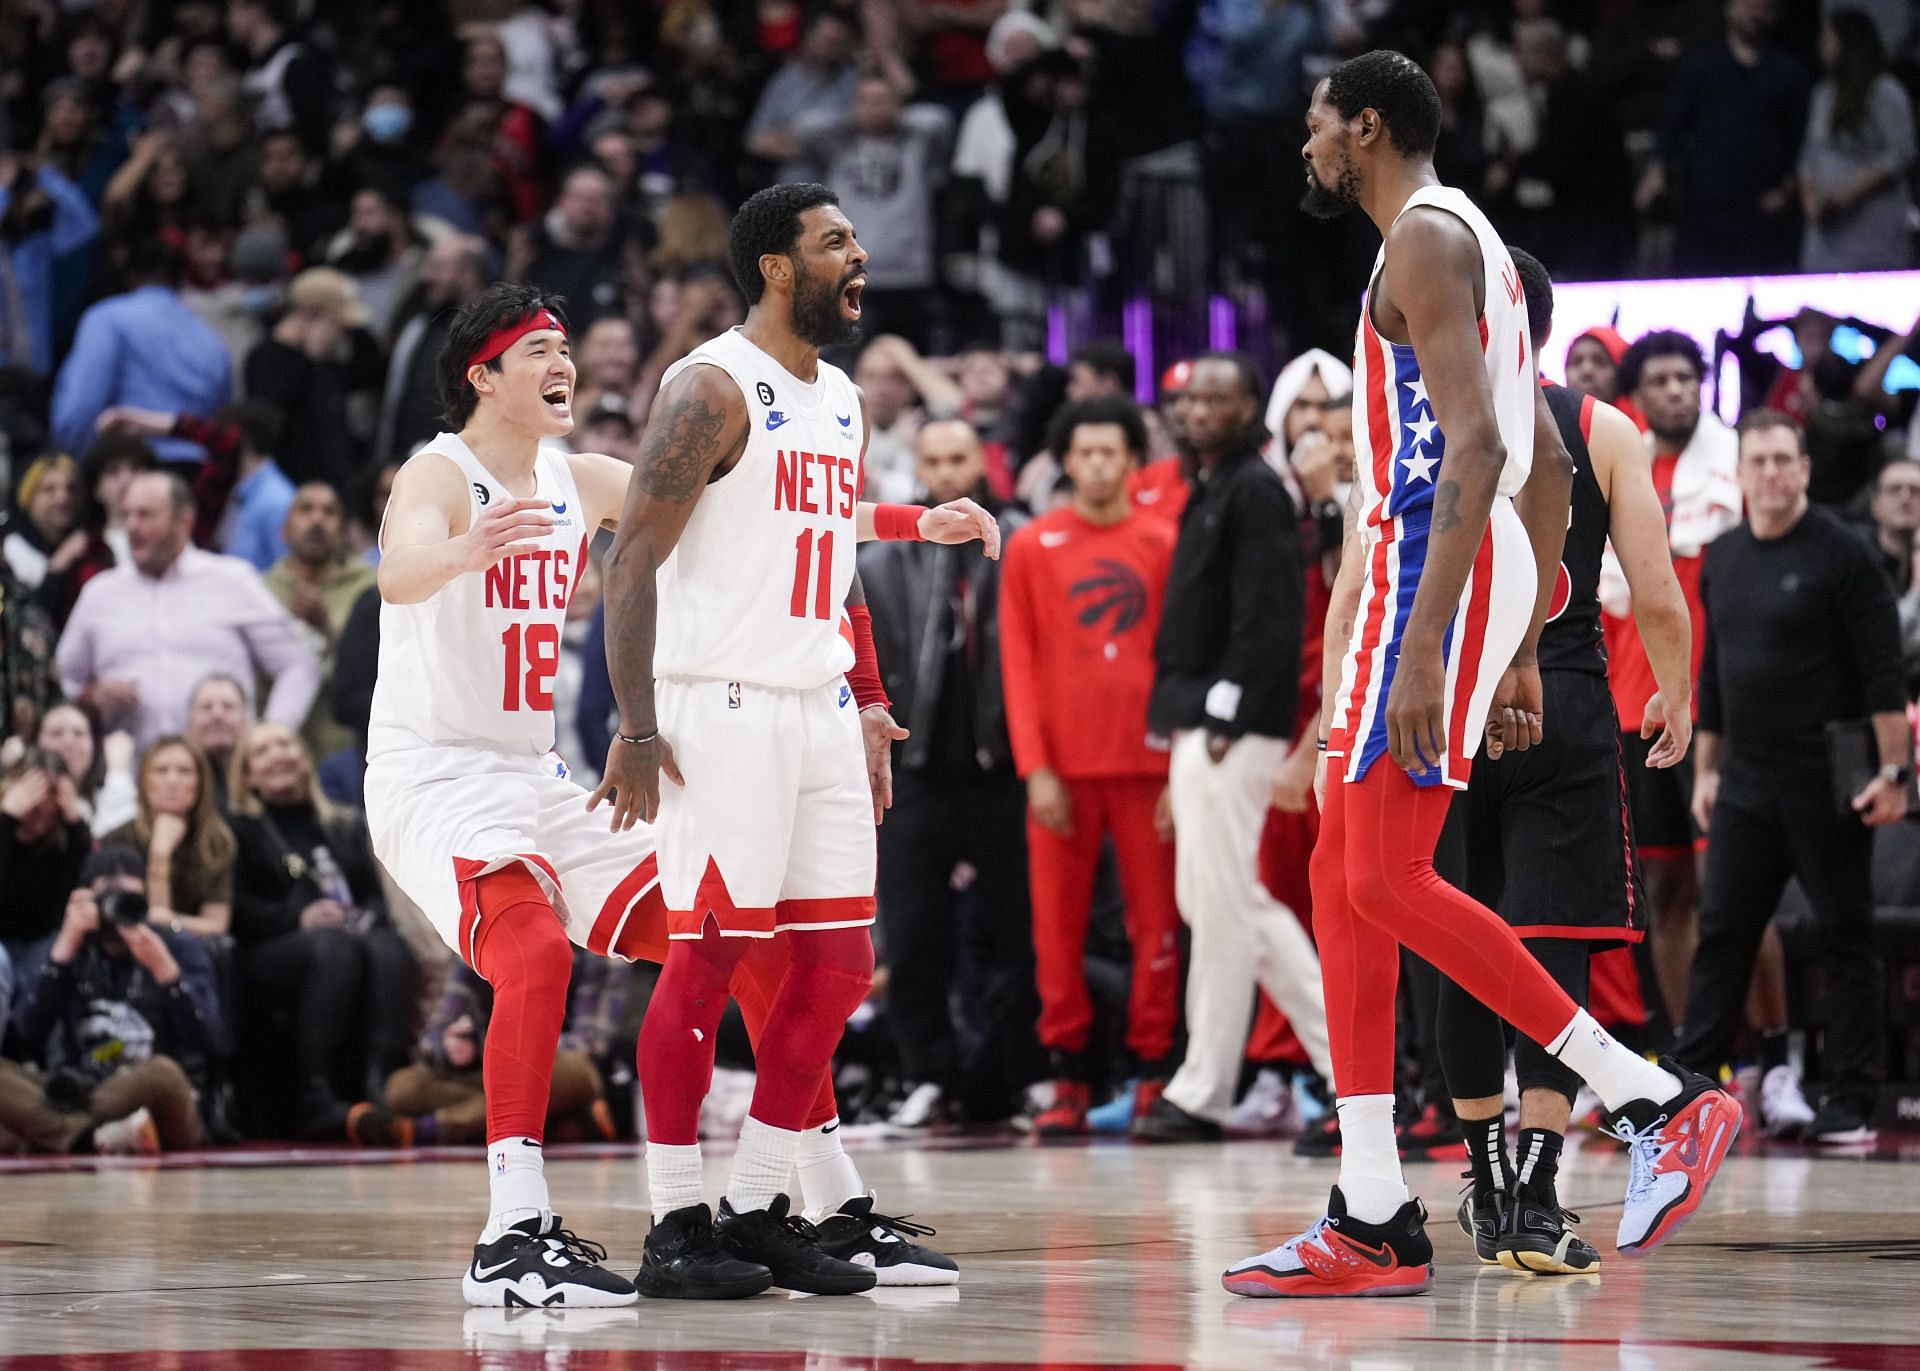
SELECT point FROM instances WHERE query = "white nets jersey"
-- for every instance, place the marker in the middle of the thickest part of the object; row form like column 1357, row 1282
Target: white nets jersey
column 473, row 665
column 1400, row 447
column 753, row 590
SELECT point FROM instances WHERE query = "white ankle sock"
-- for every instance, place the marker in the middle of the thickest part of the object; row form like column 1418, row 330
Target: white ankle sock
column 1370, row 1158
column 673, row 1177
column 1616, row 1072
column 763, row 1165
column 518, row 1183
column 828, row 1177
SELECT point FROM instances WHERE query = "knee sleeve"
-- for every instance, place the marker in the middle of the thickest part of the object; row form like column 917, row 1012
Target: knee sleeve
column 674, row 1056
column 826, row 981
column 523, row 952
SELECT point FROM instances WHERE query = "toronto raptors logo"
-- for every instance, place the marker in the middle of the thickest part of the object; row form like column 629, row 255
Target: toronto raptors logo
column 1117, row 589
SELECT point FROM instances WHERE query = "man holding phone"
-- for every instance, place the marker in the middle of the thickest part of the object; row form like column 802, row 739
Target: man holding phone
column 1802, row 634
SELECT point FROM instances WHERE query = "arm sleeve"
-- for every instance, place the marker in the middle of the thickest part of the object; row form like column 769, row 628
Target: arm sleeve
column 1873, row 627
column 1267, row 591
column 1712, row 718
column 192, row 1003
column 278, row 648
column 1020, row 660
column 85, row 385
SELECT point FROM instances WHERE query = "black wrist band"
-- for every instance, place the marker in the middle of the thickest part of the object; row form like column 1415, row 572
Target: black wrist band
column 636, row 742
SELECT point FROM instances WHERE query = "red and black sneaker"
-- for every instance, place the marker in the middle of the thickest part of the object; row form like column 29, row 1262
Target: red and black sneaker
column 1674, row 1149
column 1341, row 1257
column 1066, row 1117
column 1433, row 1136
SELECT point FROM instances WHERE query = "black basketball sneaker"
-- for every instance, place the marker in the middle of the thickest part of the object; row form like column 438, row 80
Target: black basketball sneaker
column 789, row 1247
column 856, row 1234
column 685, row 1260
column 1537, row 1235
column 531, row 1267
column 1481, row 1214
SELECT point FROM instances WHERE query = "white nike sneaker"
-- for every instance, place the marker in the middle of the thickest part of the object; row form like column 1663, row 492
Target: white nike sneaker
column 924, row 1106
column 1783, row 1105
column 1267, row 1110
column 543, row 1267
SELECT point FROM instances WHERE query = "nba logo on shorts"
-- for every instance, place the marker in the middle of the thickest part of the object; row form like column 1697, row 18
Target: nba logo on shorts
column 500, row 1163
column 733, row 694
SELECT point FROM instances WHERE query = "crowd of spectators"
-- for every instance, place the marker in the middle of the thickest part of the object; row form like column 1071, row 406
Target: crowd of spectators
column 231, row 236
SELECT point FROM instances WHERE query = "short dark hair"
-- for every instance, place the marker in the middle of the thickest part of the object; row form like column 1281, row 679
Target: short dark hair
column 259, row 423
column 1759, row 420
column 1106, row 358
column 496, row 307
column 1249, row 370
column 769, row 222
column 1538, row 286
column 111, row 450
column 1662, row 342
column 1098, row 409
column 1393, row 85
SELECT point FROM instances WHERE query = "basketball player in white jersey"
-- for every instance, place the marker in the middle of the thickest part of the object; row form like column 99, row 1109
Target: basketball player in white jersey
column 1451, row 590
column 723, row 592
column 476, row 817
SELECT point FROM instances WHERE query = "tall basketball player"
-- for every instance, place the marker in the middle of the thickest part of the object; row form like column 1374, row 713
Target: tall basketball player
column 723, row 594
column 1543, row 835
column 1445, row 405
column 477, row 819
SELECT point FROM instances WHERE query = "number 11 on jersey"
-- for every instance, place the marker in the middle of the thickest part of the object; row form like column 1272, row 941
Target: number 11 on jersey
column 822, row 578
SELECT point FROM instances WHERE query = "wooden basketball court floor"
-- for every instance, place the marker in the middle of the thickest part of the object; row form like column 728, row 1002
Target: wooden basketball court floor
column 1105, row 1255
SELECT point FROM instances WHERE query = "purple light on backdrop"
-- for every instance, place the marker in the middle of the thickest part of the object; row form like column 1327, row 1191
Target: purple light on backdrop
column 1057, row 335
column 1222, row 326
column 1136, row 331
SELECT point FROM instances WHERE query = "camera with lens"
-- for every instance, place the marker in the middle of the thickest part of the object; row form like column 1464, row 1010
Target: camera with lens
column 122, row 908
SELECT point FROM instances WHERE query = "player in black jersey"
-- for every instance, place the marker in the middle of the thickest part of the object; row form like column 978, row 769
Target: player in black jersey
column 1543, row 835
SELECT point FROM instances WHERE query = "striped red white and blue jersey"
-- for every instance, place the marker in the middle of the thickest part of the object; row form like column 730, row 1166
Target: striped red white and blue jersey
column 1401, row 454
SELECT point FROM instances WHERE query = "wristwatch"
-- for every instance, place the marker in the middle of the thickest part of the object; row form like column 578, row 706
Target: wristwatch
column 1896, row 774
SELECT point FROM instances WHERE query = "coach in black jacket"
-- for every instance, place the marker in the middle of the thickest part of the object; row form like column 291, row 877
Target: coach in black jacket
column 958, row 806
column 1227, row 691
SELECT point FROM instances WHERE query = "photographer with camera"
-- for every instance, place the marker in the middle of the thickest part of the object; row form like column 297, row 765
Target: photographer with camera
column 118, row 1008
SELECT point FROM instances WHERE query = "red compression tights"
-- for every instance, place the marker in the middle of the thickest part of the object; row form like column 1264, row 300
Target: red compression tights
column 1375, row 891
column 801, row 1018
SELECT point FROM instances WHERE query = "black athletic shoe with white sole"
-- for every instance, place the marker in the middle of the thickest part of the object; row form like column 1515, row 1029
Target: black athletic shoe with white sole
column 789, row 1247
column 1481, row 1213
column 1537, row 1235
column 857, row 1234
column 685, row 1260
column 528, row 1267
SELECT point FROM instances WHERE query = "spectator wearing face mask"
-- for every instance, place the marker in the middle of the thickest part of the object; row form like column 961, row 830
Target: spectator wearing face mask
column 115, row 1017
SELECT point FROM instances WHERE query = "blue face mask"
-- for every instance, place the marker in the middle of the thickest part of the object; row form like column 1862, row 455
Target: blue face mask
column 387, row 123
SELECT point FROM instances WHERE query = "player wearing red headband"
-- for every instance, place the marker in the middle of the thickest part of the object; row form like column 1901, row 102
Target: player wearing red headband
column 476, row 817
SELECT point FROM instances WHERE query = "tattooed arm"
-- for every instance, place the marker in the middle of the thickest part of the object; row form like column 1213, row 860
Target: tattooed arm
column 696, row 431
column 1433, row 279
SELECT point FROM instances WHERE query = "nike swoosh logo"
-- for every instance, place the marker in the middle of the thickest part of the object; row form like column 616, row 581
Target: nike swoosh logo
column 481, row 1273
column 833, row 1127
column 775, row 419
column 846, row 422
column 559, row 506
column 1381, row 1257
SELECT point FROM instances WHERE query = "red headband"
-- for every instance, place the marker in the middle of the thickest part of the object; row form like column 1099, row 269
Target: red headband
column 507, row 335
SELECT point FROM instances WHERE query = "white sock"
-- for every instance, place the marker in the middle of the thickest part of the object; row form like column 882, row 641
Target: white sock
column 828, row 1177
column 673, row 1177
column 763, row 1165
column 1370, row 1158
column 518, row 1183
column 1616, row 1072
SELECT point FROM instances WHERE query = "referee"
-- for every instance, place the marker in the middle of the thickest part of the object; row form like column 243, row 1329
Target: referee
column 1801, row 632
column 1542, row 835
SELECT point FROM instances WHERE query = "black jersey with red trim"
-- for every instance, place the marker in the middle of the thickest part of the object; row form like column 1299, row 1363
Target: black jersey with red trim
column 1573, row 639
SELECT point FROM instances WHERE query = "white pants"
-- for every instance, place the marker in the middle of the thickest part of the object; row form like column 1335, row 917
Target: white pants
column 1241, row 934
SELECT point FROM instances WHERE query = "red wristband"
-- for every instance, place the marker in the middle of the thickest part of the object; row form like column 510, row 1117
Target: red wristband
column 865, row 676
column 897, row 523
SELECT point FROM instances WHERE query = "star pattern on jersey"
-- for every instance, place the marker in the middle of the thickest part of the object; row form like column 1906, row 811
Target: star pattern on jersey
column 1418, row 464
